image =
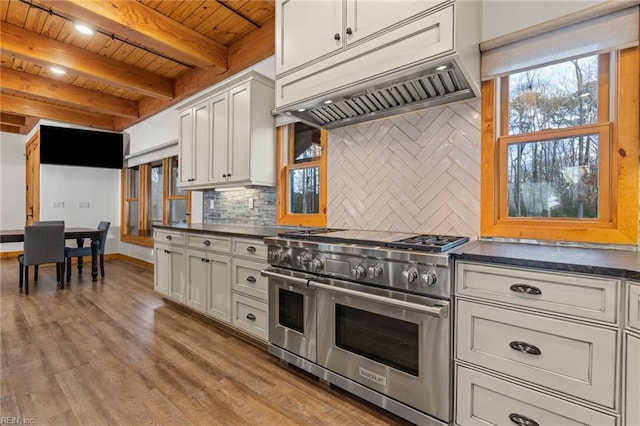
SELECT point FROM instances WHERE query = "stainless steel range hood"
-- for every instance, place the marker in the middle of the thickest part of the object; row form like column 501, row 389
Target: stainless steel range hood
column 425, row 86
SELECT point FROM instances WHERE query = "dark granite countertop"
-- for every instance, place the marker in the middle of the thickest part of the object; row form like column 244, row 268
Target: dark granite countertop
column 234, row 230
column 608, row 262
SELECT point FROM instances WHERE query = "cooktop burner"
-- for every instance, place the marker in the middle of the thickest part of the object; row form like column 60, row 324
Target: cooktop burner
column 396, row 240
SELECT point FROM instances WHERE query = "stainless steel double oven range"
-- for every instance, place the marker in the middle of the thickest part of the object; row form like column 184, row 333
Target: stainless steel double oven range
column 368, row 312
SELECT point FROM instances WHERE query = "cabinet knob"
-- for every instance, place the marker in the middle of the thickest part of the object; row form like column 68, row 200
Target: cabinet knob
column 251, row 249
column 169, row 237
column 336, row 36
column 251, row 279
column 228, row 174
column 207, row 243
column 224, row 175
column 349, row 30
column 251, row 317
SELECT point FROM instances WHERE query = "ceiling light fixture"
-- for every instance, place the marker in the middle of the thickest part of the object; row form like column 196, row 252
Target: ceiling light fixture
column 58, row 70
column 83, row 28
column 302, row 110
column 328, row 101
column 441, row 68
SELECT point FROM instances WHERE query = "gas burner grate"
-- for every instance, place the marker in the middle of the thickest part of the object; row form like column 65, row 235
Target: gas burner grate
column 434, row 243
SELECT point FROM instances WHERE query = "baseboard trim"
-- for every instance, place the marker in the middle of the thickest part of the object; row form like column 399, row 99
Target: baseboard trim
column 134, row 260
column 10, row 254
column 217, row 323
column 87, row 259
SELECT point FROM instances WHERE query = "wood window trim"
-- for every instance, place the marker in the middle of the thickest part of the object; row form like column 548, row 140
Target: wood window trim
column 622, row 225
column 283, row 216
column 143, row 199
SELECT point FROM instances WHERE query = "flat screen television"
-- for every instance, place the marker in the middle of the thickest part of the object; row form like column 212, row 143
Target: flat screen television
column 85, row 148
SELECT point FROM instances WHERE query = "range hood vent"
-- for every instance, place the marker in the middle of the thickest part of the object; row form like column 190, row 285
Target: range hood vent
column 439, row 84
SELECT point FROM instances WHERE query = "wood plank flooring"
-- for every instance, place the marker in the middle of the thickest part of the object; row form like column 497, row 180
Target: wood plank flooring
column 112, row 353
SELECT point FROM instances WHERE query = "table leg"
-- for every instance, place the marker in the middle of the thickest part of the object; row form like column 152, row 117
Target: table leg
column 94, row 259
column 80, row 243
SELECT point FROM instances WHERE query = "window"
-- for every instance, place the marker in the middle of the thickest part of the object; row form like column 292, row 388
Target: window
column 302, row 175
column 560, row 151
column 151, row 196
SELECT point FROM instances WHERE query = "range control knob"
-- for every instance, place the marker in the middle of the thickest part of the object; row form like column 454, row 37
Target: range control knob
column 429, row 279
column 316, row 265
column 375, row 271
column 359, row 272
column 278, row 254
column 303, row 258
column 410, row 275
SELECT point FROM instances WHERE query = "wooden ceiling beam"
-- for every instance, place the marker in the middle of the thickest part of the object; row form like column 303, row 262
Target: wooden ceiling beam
column 47, row 51
column 7, row 128
column 247, row 51
column 12, row 119
column 17, row 105
column 147, row 27
column 15, row 82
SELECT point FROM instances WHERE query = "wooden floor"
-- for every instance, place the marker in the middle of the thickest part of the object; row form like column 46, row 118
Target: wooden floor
column 112, row 353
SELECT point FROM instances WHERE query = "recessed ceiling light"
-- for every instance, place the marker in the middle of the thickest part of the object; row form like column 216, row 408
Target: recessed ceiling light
column 58, row 70
column 84, row 29
column 441, row 68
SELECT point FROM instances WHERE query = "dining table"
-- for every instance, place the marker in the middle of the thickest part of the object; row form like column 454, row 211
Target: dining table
column 78, row 234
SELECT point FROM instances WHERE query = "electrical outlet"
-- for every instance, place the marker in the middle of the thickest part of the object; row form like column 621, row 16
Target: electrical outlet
column 250, row 203
column 211, row 204
column 57, row 204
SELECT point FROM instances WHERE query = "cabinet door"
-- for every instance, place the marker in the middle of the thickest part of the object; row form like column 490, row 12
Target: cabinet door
column 239, row 133
column 366, row 17
column 632, row 378
column 177, row 280
column 219, row 138
column 219, row 294
column 201, row 136
column 197, row 279
column 633, row 305
column 162, row 270
column 306, row 30
column 185, row 157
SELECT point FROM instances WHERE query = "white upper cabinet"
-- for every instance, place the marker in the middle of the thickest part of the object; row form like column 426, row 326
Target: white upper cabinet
column 229, row 138
column 194, row 145
column 366, row 18
column 311, row 29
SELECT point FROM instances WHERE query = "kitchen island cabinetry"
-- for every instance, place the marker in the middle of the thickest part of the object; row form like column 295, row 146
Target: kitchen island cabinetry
column 228, row 138
column 552, row 338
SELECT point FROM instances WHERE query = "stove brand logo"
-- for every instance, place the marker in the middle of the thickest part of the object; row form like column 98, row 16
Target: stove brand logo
column 381, row 380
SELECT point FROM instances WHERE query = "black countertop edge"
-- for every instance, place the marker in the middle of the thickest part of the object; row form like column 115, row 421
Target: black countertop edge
column 232, row 230
column 604, row 262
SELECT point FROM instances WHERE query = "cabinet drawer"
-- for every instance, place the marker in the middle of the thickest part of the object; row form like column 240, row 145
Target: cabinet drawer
column 577, row 359
column 251, row 316
column 246, row 278
column 578, row 295
column 168, row 237
column 484, row 400
column 209, row 242
column 633, row 305
column 253, row 248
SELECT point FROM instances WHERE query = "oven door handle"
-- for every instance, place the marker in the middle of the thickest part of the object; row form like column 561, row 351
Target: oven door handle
column 438, row 312
column 294, row 280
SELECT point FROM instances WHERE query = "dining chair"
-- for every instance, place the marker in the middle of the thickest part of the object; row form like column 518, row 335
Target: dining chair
column 43, row 243
column 71, row 252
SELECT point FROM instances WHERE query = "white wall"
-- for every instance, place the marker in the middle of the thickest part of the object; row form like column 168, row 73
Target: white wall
column 12, row 185
column 98, row 187
column 500, row 17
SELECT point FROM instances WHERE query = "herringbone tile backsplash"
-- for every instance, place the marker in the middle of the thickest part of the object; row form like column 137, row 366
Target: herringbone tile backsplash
column 418, row 172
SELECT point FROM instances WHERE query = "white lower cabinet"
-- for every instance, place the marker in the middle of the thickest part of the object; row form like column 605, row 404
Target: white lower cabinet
column 632, row 380
column 485, row 400
column 216, row 275
column 536, row 347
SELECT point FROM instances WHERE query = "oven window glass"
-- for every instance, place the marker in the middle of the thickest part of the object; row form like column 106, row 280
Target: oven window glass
column 291, row 310
column 383, row 339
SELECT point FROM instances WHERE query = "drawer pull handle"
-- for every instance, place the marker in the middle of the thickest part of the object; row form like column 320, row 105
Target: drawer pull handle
column 251, row 317
column 522, row 420
column 251, row 279
column 525, row 348
column 251, row 249
column 525, row 288
column 169, row 237
column 207, row 243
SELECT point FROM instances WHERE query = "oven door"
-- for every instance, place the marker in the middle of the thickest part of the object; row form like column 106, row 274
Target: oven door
column 391, row 342
column 292, row 312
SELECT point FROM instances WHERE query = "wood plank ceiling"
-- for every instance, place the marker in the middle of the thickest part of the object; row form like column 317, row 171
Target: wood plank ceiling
column 142, row 57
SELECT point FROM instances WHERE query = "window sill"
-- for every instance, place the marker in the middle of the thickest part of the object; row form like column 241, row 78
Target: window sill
column 145, row 241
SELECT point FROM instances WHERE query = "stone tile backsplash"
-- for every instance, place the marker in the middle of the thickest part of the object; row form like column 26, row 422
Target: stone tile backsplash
column 233, row 206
